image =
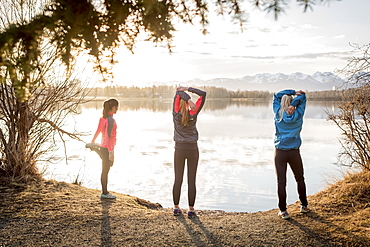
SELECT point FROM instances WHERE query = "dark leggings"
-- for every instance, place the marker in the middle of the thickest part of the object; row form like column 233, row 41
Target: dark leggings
column 293, row 157
column 106, row 164
column 192, row 157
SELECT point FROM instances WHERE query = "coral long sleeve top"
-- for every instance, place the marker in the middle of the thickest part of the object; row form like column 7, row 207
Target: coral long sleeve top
column 108, row 128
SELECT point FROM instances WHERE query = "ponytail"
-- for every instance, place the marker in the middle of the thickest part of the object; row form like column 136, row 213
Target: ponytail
column 108, row 105
column 184, row 112
column 284, row 104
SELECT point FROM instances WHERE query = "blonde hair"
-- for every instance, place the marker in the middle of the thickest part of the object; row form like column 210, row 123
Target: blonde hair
column 184, row 112
column 284, row 104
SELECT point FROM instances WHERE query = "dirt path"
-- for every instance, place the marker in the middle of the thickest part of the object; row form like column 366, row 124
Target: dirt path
column 61, row 214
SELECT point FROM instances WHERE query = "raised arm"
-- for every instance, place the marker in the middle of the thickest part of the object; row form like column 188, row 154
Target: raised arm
column 200, row 102
column 195, row 107
column 296, row 108
column 278, row 96
column 176, row 102
column 299, row 103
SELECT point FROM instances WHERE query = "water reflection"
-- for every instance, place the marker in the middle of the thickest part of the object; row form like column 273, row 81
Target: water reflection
column 236, row 171
column 164, row 105
column 135, row 104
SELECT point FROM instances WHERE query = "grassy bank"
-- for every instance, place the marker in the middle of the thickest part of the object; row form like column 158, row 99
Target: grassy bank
column 50, row 213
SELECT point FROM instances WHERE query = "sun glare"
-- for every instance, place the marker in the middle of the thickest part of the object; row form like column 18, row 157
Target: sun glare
column 297, row 42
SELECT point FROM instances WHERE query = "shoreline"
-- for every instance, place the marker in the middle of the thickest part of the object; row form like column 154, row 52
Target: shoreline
column 61, row 214
column 170, row 99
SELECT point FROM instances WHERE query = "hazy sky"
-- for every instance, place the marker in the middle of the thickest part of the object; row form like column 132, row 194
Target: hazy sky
column 317, row 40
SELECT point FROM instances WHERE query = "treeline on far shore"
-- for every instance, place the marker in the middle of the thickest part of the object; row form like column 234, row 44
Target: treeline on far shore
column 165, row 92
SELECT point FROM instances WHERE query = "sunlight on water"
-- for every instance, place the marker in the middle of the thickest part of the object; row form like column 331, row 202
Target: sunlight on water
column 235, row 172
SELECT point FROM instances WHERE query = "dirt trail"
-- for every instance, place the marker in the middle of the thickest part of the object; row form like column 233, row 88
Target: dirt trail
column 60, row 214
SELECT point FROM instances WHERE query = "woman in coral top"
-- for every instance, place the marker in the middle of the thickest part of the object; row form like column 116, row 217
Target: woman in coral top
column 108, row 128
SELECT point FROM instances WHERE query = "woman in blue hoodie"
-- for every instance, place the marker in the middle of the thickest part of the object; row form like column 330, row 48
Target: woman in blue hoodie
column 289, row 111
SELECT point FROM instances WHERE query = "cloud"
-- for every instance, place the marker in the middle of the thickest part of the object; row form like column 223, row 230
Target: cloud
column 198, row 53
column 209, row 43
column 308, row 26
column 251, row 46
column 264, row 30
column 288, row 28
column 342, row 36
column 317, row 37
column 340, row 55
column 234, row 32
column 204, row 53
column 279, row 45
column 255, row 57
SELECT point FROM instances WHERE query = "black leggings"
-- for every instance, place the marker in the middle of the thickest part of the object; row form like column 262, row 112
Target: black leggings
column 106, row 164
column 192, row 157
column 293, row 157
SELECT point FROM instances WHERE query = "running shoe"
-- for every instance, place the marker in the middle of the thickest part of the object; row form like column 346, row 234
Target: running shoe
column 92, row 146
column 304, row 209
column 284, row 215
column 191, row 214
column 177, row 212
column 107, row 196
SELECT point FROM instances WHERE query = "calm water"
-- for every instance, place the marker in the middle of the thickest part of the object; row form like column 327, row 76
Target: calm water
column 235, row 172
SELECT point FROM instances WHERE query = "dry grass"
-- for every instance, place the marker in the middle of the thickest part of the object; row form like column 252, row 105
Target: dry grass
column 50, row 213
column 347, row 203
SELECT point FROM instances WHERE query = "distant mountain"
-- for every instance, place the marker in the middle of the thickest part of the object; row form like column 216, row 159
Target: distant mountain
column 360, row 78
column 319, row 81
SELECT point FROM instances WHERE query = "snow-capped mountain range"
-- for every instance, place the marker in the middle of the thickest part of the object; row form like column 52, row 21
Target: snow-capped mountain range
column 318, row 81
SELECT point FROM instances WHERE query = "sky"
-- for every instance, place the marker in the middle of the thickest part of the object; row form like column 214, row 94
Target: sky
column 317, row 40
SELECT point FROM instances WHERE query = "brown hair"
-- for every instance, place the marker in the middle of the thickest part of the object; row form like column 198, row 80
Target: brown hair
column 108, row 105
column 184, row 112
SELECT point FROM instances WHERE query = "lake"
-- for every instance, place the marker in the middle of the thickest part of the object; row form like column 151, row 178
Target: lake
column 236, row 170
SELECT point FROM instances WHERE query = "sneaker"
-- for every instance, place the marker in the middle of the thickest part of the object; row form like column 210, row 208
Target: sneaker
column 107, row 196
column 92, row 146
column 284, row 215
column 177, row 212
column 191, row 214
column 304, row 209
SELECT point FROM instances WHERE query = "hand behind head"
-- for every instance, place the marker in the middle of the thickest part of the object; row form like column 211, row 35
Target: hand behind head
column 290, row 109
column 182, row 88
column 299, row 92
column 193, row 107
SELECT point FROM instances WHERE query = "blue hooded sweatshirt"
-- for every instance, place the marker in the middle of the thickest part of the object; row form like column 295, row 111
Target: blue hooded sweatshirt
column 288, row 129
